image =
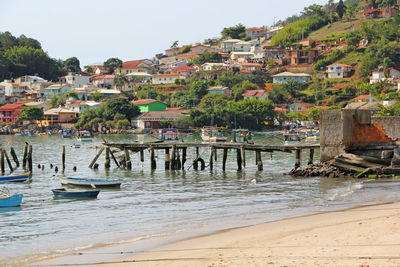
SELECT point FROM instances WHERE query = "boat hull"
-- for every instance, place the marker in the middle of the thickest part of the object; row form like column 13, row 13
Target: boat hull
column 86, row 182
column 62, row 192
column 12, row 201
column 14, row 178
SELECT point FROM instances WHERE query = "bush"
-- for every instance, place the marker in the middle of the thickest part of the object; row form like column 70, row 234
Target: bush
column 329, row 59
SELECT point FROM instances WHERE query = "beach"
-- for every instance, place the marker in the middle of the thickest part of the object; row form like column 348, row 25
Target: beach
column 366, row 235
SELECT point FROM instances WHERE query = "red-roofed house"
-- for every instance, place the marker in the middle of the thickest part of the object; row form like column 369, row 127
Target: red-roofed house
column 103, row 80
column 278, row 109
column 252, row 67
column 167, row 78
column 10, row 112
column 81, row 106
column 296, row 107
column 337, row 87
column 339, row 70
column 260, row 94
column 255, row 32
column 142, row 65
column 185, row 70
column 378, row 75
column 364, row 98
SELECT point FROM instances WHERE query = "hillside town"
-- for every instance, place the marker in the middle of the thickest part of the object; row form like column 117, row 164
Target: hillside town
column 297, row 79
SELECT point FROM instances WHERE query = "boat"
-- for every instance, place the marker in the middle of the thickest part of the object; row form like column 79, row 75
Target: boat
column 15, row 178
column 63, row 192
column 312, row 136
column 67, row 133
column 90, row 182
column 84, row 136
column 169, row 134
column 291, row 137
column 8, row 200
column 242, row 136
column 25, row 133
column 213, row 134
column 76, row 145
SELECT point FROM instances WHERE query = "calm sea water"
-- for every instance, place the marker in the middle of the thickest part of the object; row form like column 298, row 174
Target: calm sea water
column 154, row 203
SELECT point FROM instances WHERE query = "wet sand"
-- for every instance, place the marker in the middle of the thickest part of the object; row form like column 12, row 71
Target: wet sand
column 361, row 236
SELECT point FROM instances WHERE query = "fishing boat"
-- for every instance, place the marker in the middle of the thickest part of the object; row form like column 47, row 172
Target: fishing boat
column 84, row 136
column 242, row 136
column 212, row 134
column 291, row 137
column 90, row 182
column 8, row 200
column 67, row 133
column 169, row 135
column 76, row 145
column 63, row 192
column 15, row 178
column 312, row 136
column 25, row 133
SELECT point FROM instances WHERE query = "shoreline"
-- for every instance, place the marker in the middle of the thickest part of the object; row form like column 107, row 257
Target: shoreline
column 341, row 237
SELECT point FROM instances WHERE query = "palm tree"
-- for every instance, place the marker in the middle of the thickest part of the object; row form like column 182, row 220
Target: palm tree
column 120, row 80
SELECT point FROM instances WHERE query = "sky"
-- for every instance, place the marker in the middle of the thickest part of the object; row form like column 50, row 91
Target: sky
column 95, row 30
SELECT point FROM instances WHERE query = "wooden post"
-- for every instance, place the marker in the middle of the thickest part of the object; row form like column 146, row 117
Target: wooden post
column 311, row 159
column 183, row 157
column 197, row 152
column 167, row 159
column 243, row 156
column 96, row 157
column 115, row 160
column 224, row 158
column 107, row 159
column 153, row 164
column 215, row 154
column 212, row 151
column 239, row 159
column 25, row 157
column 14, row 156
column 178, row 165
column 8, row 161
column 2, row 160
column 127, row 159
column 141, row 155
column 298, row 159
column 63, row 158
column 172, row 160
column 30, row 158
column 259, row 160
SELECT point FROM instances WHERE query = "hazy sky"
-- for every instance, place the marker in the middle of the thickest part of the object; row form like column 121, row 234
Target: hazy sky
column 95, row 30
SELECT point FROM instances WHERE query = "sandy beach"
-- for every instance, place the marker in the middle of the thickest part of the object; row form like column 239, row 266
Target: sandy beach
column 368, row 235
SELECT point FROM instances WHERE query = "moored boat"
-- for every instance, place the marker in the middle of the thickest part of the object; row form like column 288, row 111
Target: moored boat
column 8, row 200
column 14, row 178
column 90, row 182
column 84, row 136
column 213, row 134
column 169, row 134
column 63, row 192
column 67, row 133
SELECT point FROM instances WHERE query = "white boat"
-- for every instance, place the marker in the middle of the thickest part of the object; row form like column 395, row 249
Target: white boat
column 213, row 134
column 169, row 135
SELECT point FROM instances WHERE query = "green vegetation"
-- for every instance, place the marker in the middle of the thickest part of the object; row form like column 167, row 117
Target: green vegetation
column 31, row 113
column 236, row 32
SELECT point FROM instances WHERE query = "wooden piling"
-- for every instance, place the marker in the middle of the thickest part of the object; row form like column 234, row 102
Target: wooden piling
column 183, row 157
column 259, row 160
column 224, row 158
column 172, row 159
column 197, row 152
column 2, row 167
column 243, row 156
column 212, row 151
column 239, row 159
column 8, row 161
column 141, row 155
column 153, row 164
column 107, row 159
column 298, row 159
column 63, row 158
column 30, row 169
column 311, row 158
column 113, row 157
column 127, row 159
column 25, row 157
column 167, row 159
column 96, row 157
column 14, row 156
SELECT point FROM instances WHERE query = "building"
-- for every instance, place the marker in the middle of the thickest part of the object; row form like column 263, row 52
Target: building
column 242, row 56
column 214, row 66
column 252, row 67
column 167, row 78
column 77, row 80
column 242, row 46
column 338, row 70
column 184, row 70
column 380, row 75
column 221, row 90
column 2, row 94
column 272, row 31
column 14, row 89
column 300, row 56
column 9, row 113
column 296, row 107
column 227, row 45
column 255, row 33
column 287, row 76
column 259, row 94
column 152, row 119
column 57, row 90
column 103, row 80
column 57, row 116
column 81, row 106
column 278, row 54
column 146, row 105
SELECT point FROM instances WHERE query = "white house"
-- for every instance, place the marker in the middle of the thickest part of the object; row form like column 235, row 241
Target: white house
column 255, row 32
column 2, row 94
column 242, row 46
column 338, row 70
column 227, row 45
column 77, row 80
column 212, row 66
column 57, row 89
column 14, row 89
column 103, row 80
column 241, row 56
column 378, row 75
column 167, row 78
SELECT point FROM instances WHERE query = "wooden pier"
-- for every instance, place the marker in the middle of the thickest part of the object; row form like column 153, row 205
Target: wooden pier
column 176, row 154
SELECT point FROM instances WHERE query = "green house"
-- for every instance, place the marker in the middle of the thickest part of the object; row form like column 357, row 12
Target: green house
column 146, row 105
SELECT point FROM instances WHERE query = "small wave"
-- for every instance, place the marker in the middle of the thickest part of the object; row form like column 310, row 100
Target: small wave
column 342, row 192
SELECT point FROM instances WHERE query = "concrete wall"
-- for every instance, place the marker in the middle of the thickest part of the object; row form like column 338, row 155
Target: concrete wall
column 331, row 134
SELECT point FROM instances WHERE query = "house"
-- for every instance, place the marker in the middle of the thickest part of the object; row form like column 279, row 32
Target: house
column 9, row 113
column 173, row 51
column 146, row 105
column 139, row 77
column 142, row 65
column 242, row 46
column 338, row 70
column 242, row 56
column 109, row 92
column 185, row 70
column 300, row 56
column 57, row 89
column 278, row 54
column 221, row 90
column 187, row 58
column 176, row 64
column 103, row 80
column 259, row 94
column 35, row 85
column 81, row 106
column 99, row 69
column 272, row 31
column 167, row 78
column 227, row 45
column 214, row 66
column 362, row 98
column 255, row 32
column 14, row 89
column 152, row 119
column 77, row 80
column 200, row 49
column 252, row 67
column 380, row 75
column 384, row 12
column 310, row 43
column 287, row 76
column 296, row 107
column 57, row 116
column 2, row 94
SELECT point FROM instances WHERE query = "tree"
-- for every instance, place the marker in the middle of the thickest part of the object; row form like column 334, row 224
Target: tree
column 96, row 96
column 112, row 63
column 208, row 57
column 72, row 64
column 197, row 90
column 330, row 8
column 340, row 9
column 312, row 10
column 292, row 87
column 388, row 3
column 120, row 80
column 22, row 40
column 175, row 44
column 214, row 101
column 373, row 4
column 122, row 123
column 53, row 101
column 122, row 106
column 31, row 113
column 229, row 79
column 236, row 32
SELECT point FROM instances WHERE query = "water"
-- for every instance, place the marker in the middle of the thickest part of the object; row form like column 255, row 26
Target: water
column 154, row 203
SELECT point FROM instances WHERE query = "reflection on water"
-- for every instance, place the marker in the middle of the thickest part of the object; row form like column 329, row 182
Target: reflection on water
column 156, row 202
